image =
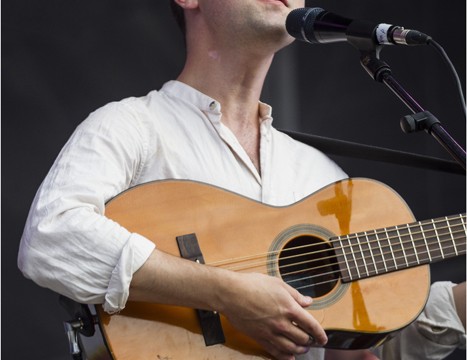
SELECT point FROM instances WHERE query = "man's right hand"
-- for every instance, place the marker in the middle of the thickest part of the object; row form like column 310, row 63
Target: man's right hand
column 272, row 313
column 263, row 307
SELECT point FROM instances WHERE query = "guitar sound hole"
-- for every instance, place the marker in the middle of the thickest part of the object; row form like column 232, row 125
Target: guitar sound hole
column 309, row 265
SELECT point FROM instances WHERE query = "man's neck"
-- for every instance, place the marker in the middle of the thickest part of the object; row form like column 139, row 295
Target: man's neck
column 233, row 80
column 236, row 82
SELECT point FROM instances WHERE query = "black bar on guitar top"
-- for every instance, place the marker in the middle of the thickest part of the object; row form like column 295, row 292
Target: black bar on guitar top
column 209, row 321
column 189, row 248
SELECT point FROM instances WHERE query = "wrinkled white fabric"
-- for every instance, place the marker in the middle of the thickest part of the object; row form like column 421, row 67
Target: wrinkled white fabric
column 436, row 333
column 175, row 133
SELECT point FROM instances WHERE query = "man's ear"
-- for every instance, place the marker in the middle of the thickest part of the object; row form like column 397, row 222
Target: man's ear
column 187, row 4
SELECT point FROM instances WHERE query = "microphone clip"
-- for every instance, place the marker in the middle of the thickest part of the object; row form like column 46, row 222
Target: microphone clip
column 373, row 65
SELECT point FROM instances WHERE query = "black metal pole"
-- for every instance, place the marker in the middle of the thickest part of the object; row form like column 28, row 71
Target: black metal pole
column 381, row 72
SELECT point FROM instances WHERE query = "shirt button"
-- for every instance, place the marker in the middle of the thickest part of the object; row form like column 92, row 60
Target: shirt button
column 212, row 106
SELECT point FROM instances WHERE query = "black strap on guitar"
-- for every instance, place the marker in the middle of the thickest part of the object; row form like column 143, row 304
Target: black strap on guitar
column 369, row 152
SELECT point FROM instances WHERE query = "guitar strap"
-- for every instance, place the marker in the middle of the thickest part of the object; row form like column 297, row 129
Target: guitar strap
column 368, row 152
column 209, row 320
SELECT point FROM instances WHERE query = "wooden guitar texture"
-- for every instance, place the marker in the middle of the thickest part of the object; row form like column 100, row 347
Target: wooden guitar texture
column 304, row 243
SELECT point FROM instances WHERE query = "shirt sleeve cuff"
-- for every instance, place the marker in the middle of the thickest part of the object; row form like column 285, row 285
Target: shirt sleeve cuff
column 134, row 254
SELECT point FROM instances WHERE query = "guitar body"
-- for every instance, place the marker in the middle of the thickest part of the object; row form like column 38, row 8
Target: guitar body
column 244, row 235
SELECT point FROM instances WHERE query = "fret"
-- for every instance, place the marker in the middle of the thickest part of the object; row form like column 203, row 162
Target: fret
column 400, row 238
column 353, row 257
column 388, row 254
column 385, row 249
column 422, row 233
column 461, row 246
column 383, row 260
column 397, row 248
column 459, row 231
column 363, row 254
column 431, row 237
column 437, row 237
column 446, row 237
column 421, row 245
column 345, row 257
column 451, row 235
column 390, row 240
column 463, row 223
column 368, row 244
column 408, row 246
column 374, row 252
column 455, row 231
column 342, row 254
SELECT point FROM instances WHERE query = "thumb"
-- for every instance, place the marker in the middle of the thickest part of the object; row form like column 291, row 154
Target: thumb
column 302, row 300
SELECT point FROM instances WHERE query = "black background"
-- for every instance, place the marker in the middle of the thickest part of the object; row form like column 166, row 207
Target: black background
column 63, row 59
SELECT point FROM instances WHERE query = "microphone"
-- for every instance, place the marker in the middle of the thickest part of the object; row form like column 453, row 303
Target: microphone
column 318, row 26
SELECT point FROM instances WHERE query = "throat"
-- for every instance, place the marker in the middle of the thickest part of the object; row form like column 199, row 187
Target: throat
column 250, row 142
column 255, row 159
column 246, row 128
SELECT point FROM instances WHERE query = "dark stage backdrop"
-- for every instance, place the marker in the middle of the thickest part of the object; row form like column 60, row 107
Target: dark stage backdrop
column 63, row 59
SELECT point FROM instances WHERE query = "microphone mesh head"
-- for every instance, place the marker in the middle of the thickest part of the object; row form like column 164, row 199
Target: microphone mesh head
column 300, row 22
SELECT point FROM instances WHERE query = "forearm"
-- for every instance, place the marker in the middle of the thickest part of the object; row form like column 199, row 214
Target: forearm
column 459, row 299
column 167, row 279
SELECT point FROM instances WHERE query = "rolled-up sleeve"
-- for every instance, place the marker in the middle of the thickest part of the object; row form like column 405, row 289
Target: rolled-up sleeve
column 133, row 256
column 68, row 244
column 436, row 333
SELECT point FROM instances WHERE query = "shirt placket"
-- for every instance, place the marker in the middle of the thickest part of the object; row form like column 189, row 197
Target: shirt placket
column 267, row 195
column 214, row 114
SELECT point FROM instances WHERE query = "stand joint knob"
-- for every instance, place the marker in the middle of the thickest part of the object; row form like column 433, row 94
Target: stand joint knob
column 420, row 121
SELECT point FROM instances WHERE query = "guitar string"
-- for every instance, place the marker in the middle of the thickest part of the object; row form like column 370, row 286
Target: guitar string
column 331, row 257
column 356, row 261
column 334, row 280
column 351, row 270
column 394, row 260
column 353, row 236
column 368, row 274
column 382, row 254
column 393, row 268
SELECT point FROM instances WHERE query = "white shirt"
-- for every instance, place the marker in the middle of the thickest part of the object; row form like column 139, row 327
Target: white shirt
column 69, row 245
column 174, row 133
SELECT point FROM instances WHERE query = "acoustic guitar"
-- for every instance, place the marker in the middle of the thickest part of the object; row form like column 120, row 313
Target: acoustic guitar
column 342, row 245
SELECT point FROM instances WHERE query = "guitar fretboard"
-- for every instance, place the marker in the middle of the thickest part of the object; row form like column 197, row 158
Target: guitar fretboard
column 380, row 251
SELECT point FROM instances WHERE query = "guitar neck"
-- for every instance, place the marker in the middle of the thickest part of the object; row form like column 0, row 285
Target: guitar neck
column 384, row 250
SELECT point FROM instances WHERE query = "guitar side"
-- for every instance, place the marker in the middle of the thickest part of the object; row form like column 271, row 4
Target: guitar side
column 358, row 314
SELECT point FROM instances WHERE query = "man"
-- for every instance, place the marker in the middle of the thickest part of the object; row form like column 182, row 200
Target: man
column 208, row 126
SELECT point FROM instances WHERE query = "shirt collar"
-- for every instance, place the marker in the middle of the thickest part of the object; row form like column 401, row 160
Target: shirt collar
column 206, row 103
column 265, row 113
column 189, row 94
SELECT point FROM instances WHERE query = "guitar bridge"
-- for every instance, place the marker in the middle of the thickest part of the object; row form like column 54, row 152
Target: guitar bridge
column 210, row 321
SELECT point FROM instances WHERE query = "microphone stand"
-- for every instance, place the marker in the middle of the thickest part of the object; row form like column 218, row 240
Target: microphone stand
column 421, row 119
